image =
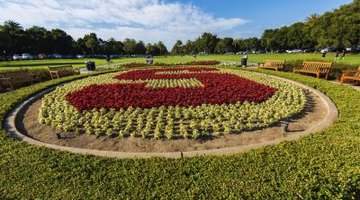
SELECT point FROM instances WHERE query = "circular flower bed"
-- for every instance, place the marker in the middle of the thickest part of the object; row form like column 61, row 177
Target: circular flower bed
column 171, row 103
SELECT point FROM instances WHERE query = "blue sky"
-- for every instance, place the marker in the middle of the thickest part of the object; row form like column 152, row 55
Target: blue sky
column 265, row 14
column 165, row 20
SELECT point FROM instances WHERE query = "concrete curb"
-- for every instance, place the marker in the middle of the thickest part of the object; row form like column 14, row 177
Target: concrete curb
column 14, row 132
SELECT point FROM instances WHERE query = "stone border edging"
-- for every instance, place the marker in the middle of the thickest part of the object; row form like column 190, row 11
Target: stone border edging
column 10, row 127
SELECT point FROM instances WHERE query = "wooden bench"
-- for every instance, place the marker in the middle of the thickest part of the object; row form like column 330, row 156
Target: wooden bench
column 317, row 68
column 272, row 64
column 61, row 71
column 350, row 75
column 10, row 80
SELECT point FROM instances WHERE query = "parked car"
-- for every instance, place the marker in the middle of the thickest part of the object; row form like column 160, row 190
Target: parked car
column 260, row 52
column 27, row 56
column 309, row 50
column 80, row 56
column 42, row 56
column 55, row 55
column 294, row 51
column 327, row 49
column 247, row 52
column 17, row 57
column 280, row 51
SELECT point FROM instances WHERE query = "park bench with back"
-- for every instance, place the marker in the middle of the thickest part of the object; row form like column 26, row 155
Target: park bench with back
column 11, row 80
column 61, row 71
column 317, row 68
column 272, row 64
column 353, row 75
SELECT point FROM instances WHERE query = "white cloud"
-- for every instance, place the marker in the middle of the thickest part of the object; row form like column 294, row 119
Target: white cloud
column 147, row 20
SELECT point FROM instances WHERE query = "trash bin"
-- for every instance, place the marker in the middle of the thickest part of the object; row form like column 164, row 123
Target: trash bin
column 149, row 60
column 90, row 65
column 243, row 61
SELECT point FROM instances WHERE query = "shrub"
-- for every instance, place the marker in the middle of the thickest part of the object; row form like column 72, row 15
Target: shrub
column 324, row 165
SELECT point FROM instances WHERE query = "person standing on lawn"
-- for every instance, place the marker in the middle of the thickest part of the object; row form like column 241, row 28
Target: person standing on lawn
column 343, row 54
column 337, row 54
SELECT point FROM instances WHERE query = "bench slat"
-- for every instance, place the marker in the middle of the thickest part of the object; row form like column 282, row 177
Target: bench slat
column 272, row 64
column 14, row 79
column 61, row 71
column 350, row 75
column 317, row 68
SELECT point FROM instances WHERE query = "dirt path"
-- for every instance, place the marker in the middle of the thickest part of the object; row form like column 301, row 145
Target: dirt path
column 28, row 124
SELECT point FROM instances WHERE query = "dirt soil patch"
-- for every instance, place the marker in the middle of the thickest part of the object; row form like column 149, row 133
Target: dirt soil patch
column 28, row 124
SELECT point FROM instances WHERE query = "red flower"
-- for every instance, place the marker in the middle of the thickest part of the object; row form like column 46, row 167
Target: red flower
column 218, row 89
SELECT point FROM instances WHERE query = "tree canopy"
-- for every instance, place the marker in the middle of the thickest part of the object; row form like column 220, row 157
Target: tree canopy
column 337, row 28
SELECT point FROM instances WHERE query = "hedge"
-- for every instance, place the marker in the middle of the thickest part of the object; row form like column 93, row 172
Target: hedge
column 324, row 165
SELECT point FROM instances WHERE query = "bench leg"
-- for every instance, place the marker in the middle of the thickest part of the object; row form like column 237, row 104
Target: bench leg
column 11, row 86
column 326, row 77
column 342, row 79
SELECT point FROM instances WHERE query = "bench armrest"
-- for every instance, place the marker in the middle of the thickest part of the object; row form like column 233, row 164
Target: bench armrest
column 261, row 64
column 297, row 67
column 350, row 72
column 53, row 72
column 77, row 71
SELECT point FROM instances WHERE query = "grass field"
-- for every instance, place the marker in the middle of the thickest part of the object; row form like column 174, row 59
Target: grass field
column 349, row 60
column 323, row 165
column 77, row 63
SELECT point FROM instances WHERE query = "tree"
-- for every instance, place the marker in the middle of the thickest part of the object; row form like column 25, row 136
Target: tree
column 228, row 42
column 220, row 47
column 190, row 47
column 268, row 39
column 312, row 19
column 80, row 46
column 253, row 44
column 140, row 48
column 38, row 40
column 113, row 47
column 177, row 48
column 91, row 42
column 129, row 46
column 296, row 37
column 207, row 42
column 15, row 32
column 238, row 45
column 4, row 41
column 162, row 48
column 152, row 49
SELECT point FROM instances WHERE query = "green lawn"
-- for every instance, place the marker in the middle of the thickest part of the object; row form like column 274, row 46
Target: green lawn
column 350, row 59
column 323, row 165
column 77, row 63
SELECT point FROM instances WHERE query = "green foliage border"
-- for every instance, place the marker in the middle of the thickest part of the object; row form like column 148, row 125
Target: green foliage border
column 324, row 165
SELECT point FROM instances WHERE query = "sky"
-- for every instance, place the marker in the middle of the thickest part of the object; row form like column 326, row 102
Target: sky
column 163, row 20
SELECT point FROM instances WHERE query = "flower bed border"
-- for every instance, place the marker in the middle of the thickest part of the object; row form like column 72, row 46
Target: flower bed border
column 10, row 126
column 233, row 121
